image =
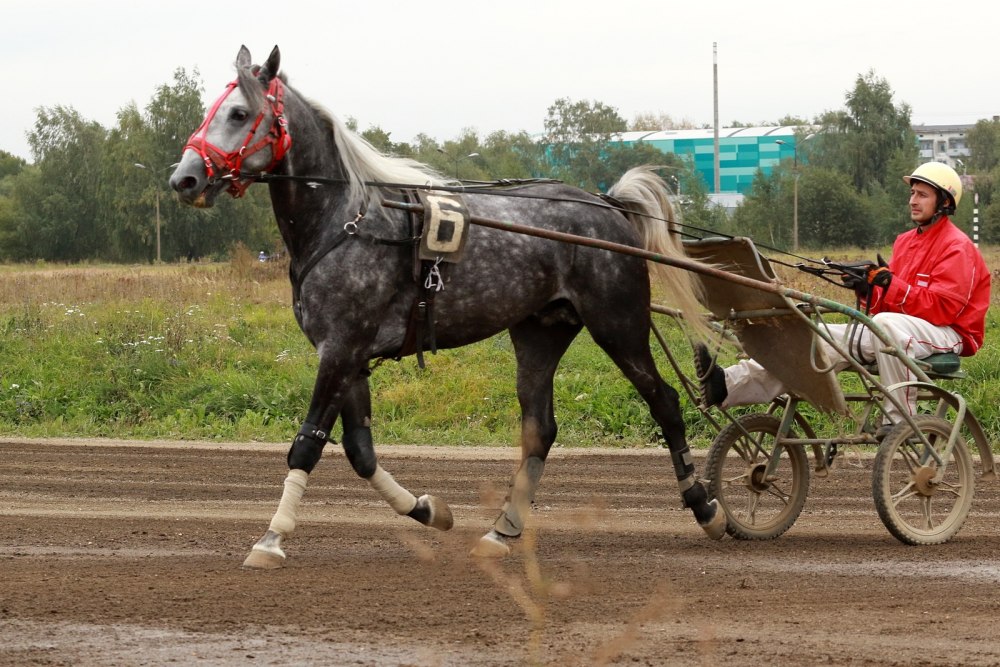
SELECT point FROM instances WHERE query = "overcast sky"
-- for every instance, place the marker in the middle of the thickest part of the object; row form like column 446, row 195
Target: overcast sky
column 440, row 66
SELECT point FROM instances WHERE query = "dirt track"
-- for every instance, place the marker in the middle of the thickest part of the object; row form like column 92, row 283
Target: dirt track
column 123, row 553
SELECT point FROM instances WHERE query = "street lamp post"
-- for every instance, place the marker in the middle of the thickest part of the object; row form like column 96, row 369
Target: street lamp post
column 457, row 158
column 139, row 165
column 795, row 190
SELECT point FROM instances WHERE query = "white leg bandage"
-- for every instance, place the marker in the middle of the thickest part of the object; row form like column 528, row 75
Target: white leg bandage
column 283, row 522
column 522, row 492
column 398, row 498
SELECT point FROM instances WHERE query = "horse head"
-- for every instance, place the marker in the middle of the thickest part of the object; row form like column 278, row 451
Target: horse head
column 243, row 134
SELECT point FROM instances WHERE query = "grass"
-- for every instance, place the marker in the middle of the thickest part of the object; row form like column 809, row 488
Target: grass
column 212, row 351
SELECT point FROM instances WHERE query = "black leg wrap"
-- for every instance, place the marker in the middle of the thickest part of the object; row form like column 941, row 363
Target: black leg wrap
column 307, row 448
column 683, row 466
column 360, row 451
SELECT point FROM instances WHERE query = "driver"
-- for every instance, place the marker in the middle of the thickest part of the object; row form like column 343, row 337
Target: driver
column 932, row 297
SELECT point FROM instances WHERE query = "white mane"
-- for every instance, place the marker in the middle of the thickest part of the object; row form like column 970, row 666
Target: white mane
column 363, row 163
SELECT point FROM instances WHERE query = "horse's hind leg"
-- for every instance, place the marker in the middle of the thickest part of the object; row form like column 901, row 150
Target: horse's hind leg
column 360, row 451
column 631, row 354
column 538, row 348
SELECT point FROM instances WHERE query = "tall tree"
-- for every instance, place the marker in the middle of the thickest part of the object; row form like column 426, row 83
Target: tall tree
column 654, row 122
column 68, row 151
column 761, row 215
column 831, row 212
column 131, row 203
column 984, row 146
column 866, row 139
column 507, row 155
column 21, row 214
column 10, row 165
column 577, row 137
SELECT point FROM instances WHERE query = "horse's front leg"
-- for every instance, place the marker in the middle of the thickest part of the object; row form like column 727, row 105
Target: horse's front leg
column 360, row 451
column 333, row 383
column 304, row 454
column 307, row 448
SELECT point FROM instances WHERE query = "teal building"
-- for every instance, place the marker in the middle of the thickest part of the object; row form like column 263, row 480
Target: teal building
column 742, row 152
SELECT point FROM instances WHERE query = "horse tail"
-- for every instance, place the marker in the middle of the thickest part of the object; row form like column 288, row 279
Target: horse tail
column 647, row 206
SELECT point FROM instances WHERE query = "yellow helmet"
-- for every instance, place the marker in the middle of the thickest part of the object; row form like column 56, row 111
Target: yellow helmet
column 941, row 177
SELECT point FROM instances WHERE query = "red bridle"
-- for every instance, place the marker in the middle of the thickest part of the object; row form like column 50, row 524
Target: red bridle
column 230, row 164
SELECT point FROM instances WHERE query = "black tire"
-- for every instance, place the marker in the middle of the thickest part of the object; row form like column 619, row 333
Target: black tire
column 756, row 508
column 914, row 508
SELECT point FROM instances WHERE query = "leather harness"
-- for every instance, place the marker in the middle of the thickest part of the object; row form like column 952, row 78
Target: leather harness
column 420, row 323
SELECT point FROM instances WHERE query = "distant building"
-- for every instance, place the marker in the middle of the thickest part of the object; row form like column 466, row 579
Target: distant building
column 742, row 151
column 745, row 150
column 943, row 143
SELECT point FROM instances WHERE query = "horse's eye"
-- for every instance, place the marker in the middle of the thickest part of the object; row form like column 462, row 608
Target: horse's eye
column 238, row 115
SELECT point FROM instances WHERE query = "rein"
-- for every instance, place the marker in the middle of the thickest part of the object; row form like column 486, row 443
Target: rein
column 502, row 187
column 499, row 188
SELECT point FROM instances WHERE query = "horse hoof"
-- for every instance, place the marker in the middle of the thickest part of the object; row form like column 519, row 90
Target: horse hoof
column 264, row 559
column 715, row 527
column 492, row 545
column 440, row 514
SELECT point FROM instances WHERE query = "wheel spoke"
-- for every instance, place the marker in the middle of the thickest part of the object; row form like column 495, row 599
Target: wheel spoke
column 737, row 480
column 744, row 450
column 777, row 492
column 751, row 448
column 910, row 456
column 925, row 505
column 752, row 501
column 947, row 488
column 907, row 491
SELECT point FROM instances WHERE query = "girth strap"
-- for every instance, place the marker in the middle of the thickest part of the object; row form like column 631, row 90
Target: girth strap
column 420, row 326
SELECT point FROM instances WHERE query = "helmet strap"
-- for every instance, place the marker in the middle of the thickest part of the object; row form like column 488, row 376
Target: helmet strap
column 943, row 209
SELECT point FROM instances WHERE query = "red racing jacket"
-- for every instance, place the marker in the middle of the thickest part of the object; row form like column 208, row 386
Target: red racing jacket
column 939, row 276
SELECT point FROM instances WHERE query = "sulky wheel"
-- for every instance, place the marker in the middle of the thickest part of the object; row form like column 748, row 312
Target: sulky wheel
column 915, row 503
column 760, row 504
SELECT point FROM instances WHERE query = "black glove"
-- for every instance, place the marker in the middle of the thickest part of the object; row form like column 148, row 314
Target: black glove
column 879, row 275
column 855, row 276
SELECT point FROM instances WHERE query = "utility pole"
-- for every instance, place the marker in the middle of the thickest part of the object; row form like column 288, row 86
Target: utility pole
column 715, row 95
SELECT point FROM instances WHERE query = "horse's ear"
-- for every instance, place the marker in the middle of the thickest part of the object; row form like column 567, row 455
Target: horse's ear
column 273, row 63
column 243, row 58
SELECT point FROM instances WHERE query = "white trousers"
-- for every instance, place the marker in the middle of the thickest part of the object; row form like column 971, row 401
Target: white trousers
column 749, row 382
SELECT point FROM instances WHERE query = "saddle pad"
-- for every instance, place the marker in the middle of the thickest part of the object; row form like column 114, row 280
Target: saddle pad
column 446, row 226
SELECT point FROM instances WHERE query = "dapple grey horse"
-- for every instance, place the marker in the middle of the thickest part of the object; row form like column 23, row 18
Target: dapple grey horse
column 356, row 298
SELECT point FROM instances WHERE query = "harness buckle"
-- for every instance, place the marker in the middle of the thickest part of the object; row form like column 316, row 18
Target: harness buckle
column 351, row 226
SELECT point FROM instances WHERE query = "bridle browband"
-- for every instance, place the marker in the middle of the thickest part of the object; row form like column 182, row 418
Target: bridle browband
column 230, row 164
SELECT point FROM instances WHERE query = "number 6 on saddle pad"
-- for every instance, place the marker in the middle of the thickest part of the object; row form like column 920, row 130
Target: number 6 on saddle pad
column 446, row 224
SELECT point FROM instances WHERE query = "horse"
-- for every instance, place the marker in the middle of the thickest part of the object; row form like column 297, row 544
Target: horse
column 355, row 296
